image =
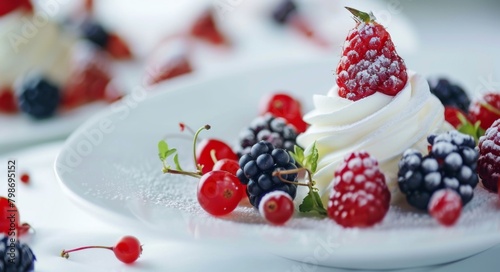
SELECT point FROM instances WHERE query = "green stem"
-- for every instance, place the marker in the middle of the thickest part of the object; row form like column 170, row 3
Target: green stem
column 207, row 127
column 179, row 172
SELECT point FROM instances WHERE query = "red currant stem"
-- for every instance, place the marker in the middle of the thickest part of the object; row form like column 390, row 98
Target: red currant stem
column 186, row 127
column 180, row 172
column 213, row 156
column 25, row 228
column 294, row 171
column 65, row 253
column 177, row 136
column 198, row 166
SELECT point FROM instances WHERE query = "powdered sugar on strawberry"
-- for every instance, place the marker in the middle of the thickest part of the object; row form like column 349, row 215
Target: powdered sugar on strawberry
column 369, row 62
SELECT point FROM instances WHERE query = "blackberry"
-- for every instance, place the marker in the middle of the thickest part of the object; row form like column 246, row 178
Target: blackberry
column 95, row 33
column 267, row 128
column 16, row 257
column 256, row 170
column 39, row 97
column 283, row 10
column 451, row 163
column 450, row 94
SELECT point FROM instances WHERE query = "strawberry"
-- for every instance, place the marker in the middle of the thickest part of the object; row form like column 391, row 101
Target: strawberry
column 7, row 6
column 205, row 29
column 178, row 65
column 486, row 109
column 117, row 47
column 369, row 61
column 7, row 101
column 454, row 116
column 459, row 120
column 88, row 5
column 88, row 80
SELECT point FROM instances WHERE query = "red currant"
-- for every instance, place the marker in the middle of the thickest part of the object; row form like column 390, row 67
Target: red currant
column 276, row 207
column 445, row 206
column 232, row 167
column 219, row 192
column 127, row 249
column 204, row 156
column 7, row 209
column 10, row 218
column 227, row 165
column 25, row 178
column 285, row 106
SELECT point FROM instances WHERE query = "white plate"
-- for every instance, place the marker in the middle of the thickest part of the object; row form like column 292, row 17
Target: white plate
column 110, row 167
column 20, row 130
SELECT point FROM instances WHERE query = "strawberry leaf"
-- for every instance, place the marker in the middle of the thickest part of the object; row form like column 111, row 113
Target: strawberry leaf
column 162, row 150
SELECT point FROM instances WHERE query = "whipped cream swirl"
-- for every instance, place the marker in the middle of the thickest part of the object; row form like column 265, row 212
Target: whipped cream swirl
column 385, row 126
column 28, row 44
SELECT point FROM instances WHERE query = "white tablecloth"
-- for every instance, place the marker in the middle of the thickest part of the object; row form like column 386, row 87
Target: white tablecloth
column 61, row 224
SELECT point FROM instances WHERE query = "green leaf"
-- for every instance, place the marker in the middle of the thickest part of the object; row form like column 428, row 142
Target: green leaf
column 162, row 150
column 307, row 204
column 170, row 152
column 298, row 154
column 311, row 158
column 317, row 198
column 312, row 203
column 177, row 164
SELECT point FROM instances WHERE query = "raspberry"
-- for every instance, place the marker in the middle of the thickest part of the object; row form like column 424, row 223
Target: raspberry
column 256, row 170
column 450, row 94
column 369, row 61
column 24, row 260
column 267, row 128
column 445, row 206
column 39, row 97
column 360, row 197
column 485, row 109
column 488, row 164
column 450, row 164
